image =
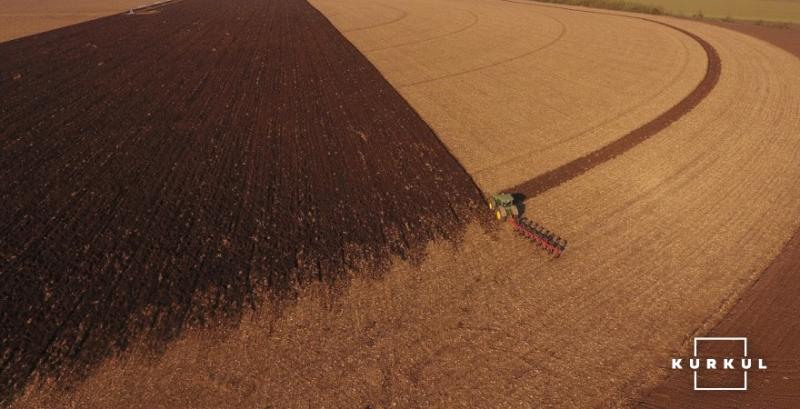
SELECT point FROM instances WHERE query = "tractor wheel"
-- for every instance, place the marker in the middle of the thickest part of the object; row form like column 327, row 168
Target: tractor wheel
column 515, row 211
column 503, row 213
column 498, row 215
column 491, row 205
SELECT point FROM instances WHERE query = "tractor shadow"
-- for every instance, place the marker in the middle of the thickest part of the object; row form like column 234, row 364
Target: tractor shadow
column 519, row 200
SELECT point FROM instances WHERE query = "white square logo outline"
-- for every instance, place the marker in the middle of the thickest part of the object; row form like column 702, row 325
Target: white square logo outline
column 694, row 354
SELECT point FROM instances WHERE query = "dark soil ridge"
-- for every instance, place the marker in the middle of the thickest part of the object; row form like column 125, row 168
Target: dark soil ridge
column 568, row 171
column 160, row 170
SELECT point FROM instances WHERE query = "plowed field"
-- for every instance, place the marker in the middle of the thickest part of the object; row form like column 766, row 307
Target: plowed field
column 664, row 238
column 158, row 169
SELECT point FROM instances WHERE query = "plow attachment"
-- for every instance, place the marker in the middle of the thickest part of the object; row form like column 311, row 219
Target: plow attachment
column 546, row 239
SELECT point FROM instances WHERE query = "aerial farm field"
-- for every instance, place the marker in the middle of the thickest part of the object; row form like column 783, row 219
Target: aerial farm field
column 168, row 174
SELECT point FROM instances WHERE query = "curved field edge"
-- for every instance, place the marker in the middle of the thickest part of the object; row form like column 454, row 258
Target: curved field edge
column 576, row 167
column 160, row 170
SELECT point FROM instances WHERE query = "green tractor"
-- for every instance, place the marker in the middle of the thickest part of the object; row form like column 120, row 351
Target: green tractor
column 503, row 206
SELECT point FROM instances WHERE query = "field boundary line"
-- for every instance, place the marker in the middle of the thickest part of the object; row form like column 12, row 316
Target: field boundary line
column 155, row 6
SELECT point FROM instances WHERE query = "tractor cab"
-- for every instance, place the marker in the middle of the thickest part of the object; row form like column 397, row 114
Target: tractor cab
column 503, row 205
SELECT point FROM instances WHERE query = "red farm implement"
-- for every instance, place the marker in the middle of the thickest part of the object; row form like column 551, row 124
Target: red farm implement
column 546, row 239
column 505, row 207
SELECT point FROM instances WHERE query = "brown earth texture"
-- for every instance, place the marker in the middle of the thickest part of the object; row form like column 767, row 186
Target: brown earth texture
column 146, row 189
column 151, row 219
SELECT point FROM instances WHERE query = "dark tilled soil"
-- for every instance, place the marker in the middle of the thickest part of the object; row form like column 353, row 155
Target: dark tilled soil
column 158, row 170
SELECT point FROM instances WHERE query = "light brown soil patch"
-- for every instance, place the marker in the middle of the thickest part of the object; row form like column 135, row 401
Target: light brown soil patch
column 20, row 18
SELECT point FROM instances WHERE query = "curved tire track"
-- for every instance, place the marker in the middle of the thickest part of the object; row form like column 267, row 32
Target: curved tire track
column 403, row 15
column 577, row 167
column 471, row 24
column 596, row 126
column 772, row 295
column 550, row 43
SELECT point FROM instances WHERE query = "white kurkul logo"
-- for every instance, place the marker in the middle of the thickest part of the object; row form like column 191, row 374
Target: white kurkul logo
column 696, row 363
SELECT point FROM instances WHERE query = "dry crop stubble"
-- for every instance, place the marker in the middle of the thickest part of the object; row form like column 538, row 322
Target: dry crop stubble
column 764, row 314
column 703, row 207
column 521, row 89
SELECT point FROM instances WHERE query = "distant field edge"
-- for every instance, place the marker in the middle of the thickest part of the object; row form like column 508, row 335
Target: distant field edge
column 661, row 10
column 39, row 22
